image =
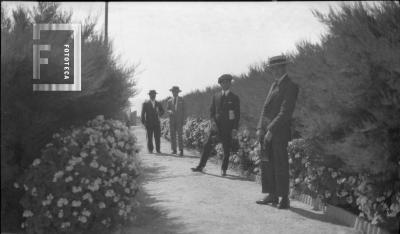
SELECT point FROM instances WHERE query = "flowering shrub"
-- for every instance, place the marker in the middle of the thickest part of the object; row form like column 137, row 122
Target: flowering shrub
column 84, row 181
column 374, row 197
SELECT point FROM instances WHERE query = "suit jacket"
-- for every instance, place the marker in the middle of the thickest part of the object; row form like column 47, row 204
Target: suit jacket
column 225, row 111
column 278, row 108
column 178, row 110
column 151, row 116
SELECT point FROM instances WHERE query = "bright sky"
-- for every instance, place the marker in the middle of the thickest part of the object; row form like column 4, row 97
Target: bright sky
column 190, row 44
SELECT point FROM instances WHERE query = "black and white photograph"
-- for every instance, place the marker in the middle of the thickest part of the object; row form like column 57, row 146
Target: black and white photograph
column 126, row 117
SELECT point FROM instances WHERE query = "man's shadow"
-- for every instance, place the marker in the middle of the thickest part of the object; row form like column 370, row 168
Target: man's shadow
column 228, row 176
column 176, row 155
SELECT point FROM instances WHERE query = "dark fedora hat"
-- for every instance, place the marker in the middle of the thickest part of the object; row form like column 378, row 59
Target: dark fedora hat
column 175, row 88
column 224, row 77
column 277, row 60
column 152, row 91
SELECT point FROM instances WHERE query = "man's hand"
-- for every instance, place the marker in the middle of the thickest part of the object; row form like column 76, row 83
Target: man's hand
column 170, row 112
column 268, row 136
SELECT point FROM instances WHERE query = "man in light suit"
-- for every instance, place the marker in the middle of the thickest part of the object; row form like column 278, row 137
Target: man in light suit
column 151, row 112
column 274, row 134
column 225, row 116
column 176, row 111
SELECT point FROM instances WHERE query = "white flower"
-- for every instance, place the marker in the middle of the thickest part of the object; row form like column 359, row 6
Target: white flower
column 27, row 213
column 16, row 185
column 102, row 205
column 103, row 169
column 76, row 203
column 116, row 199
column 82, row 219
column 297, row 155
column 94, row 164
column 121, row 212
column 36, row 162
column 34, row 192
column 23, row 225
column 83, row 154
column 76, row 189
column 85, row 212
column 60, row 214
column 50, row 197
column 334, row 174
column 61, row 202
column 69, row 179
column 93, row 187
column 97, row 181
column 110, row 193
column 88, row 197
column 65, row 224
column 69, row 168
column 57, row 175
column 127, row 190
column 26, row 187
column 74, row 213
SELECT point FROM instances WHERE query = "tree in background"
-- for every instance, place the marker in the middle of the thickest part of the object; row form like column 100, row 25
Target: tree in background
column 30, row 118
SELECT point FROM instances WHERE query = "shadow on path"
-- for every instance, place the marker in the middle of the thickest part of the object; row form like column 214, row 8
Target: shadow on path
column 150, row 218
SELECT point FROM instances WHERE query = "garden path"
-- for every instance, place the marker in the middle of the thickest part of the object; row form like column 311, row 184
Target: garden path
column 176, row 200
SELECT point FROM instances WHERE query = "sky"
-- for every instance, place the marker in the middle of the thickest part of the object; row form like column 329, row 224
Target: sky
column 190, row 44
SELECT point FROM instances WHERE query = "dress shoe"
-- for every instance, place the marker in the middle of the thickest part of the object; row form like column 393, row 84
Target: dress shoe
column 150, row 151
column 223, row 172
column 181, row 153
column 158, row 151
column 267, row 200
column 199, row 169
column 173, row 152
column 284, row 203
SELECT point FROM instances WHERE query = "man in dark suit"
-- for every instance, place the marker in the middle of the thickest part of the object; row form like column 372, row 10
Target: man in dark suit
column 274, row 134
column 225, row 116
column 151, row 112
column 176, row 110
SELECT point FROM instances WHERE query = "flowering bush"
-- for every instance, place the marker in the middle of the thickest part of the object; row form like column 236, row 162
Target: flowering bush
column 84, row 181
column 374, row 197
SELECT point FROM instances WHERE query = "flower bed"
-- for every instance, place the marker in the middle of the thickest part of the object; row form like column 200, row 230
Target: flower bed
column 84, row 181
column 375, row 198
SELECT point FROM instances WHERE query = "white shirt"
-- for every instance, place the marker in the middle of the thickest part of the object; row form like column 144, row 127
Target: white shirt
column 153, row 102
column 225, row 93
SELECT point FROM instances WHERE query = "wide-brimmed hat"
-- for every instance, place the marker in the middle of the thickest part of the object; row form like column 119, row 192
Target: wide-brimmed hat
column 224, row 77
column 175, row 88
column 152, row 92
column 277, row 60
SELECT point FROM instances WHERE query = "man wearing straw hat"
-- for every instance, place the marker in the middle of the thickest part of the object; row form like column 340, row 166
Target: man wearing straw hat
column 151, row 112
column 274, row 133
column 176, row 111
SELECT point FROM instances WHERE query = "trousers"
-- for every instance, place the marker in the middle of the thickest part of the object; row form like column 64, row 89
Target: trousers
column 153, row 130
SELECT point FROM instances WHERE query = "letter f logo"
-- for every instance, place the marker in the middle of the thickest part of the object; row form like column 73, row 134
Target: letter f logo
column 37, row 60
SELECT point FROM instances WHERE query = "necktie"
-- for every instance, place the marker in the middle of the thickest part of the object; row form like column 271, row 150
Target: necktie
column 175, row 103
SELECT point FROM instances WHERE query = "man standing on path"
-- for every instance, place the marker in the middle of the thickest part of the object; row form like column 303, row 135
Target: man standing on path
column 176, row 111
column 151, row 112
column 274, row 133
column 225, row 115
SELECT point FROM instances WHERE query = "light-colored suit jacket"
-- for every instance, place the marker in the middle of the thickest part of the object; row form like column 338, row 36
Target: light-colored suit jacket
column 178, row 110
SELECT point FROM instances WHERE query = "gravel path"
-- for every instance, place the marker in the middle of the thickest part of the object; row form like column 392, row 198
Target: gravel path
column 176, row 200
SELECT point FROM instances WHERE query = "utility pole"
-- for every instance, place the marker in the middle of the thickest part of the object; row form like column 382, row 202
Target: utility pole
column 106, row 24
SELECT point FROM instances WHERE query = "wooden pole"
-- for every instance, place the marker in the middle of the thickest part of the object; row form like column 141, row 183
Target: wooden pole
column 106, row 24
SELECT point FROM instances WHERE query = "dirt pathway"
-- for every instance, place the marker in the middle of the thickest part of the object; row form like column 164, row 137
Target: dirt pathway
column 176, row 200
